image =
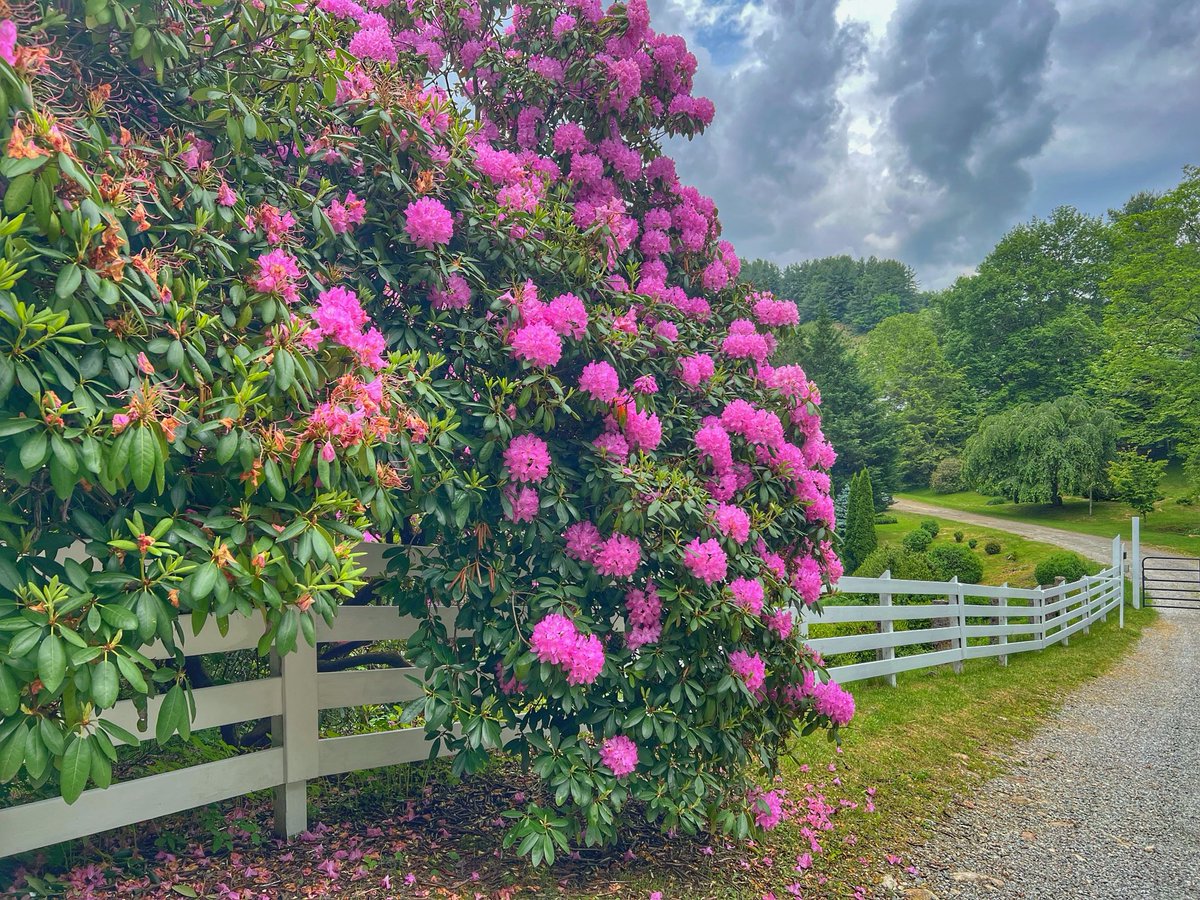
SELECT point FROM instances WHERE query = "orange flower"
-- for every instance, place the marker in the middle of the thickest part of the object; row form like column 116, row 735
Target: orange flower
column 21, row 147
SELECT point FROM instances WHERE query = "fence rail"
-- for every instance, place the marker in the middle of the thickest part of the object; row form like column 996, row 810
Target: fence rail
column 969, row 622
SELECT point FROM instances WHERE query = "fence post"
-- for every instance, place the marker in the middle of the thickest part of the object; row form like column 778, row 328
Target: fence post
column 1040, row 617
column 961, row 620
column 885, row 627
column 295, row 730
column 1002, row 620
column 1136, row 562
column 1119, row 577
column 1088, row 603
column 1059, row 581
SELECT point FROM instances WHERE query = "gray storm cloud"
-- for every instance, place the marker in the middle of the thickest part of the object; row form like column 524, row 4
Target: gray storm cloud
column 931, row 137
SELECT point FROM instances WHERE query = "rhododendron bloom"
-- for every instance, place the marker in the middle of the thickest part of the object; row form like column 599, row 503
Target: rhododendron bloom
column 527, row 458
column 276, row 271
column 643, row 430
column 619, row 556
column 706, row 560
column 587, row 660
column 768, row 809
column 428, row 222
column 539, row 344
column 600, row 380
column 523, row 503
column 455, row 294
column 553, row 639
column 620, row 754
column 832, row 700
column 695, row 370
column 344, row 216
column 733, row 522
column 781, row 621
column 583, row 541
column 748, row 594
column 748, row 667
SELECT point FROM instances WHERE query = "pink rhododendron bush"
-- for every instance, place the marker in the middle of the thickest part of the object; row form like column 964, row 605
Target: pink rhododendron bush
column 280, row 274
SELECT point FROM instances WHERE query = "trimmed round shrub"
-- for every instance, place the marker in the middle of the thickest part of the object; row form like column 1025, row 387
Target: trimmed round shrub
column 917, row 540
column 902, row 563
column 973, row 543
column 949, row 560
column 958, row 537
column 295, row 278
column 947, row 477
column 885, row 519
column 991, row 548
column 931, row 525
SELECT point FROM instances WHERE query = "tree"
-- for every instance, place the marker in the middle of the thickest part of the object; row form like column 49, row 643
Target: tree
column 853, row 417
column 929, row 400
column 277, row 275
column 1150, row 373
column 1036, row 453
column 1136, row 480
column 762, row 275
column 1026, row 328
column 860, row 538
column 856, row 292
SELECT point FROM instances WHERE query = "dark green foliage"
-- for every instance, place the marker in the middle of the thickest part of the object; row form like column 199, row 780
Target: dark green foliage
column 931, row 525
column 860, row 538
column 1150, row 373
column 1066, row 565
column 996, row 501
column 958, row 537
column 973, row 543
column 1037, row 453
column 852, row 416
column 901, row 562
column 951, row 560
column 932, row 404
column 1036, row 294
column 886, row 519
column 1136, row 480
column 991, row 548
column 947, row 477
column 762, row 275
column 918, row 540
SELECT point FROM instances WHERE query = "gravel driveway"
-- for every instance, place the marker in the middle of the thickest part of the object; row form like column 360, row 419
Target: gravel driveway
column 1104, row 802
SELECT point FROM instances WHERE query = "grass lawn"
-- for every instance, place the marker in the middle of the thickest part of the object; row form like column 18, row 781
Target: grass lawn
column 1172, row 525
column 1015, row 562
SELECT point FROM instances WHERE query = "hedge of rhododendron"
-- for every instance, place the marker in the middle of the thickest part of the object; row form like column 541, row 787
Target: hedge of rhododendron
column 281, row 273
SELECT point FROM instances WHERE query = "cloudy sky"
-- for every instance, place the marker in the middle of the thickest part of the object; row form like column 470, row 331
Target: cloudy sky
column 925, row 129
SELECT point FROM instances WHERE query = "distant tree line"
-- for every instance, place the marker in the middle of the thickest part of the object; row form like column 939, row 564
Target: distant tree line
column 1067, row 364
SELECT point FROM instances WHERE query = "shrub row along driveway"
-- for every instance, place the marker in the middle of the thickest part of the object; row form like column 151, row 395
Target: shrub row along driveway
column 1104, row 802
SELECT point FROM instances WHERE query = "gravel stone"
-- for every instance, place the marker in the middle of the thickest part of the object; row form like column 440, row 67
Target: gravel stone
column 1103, row 802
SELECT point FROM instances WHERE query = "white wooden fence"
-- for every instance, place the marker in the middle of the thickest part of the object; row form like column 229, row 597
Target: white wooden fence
column 1017, row 620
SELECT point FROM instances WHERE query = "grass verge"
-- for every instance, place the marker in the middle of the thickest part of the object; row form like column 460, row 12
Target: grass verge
column 1172, row 525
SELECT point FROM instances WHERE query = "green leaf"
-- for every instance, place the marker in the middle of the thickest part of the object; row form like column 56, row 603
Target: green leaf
column 19, row 192
column 35, row 450
column 52, row 662
column 120, row 733
column 10, row 698
column 132, row 674
column 172, row 715
column 184, row 890
column 12, row 753
column 143, row 456
column 105, row 684
column 76, row 767
column 68, row 281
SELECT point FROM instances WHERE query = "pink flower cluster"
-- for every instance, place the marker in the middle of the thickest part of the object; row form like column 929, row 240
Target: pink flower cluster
column 732, row 521
column 774, row 313
column 541, row 326
column 750, row 668
column 832, row 700
column 339, row 317
column 527, row 458
column 454, row 294
column 345, row 215
column 695, row 370
column 523, row 503
column 600, row 380
column 277, row 274
column 555, row 640
column 643, row 617
column 748, row 594
column 768, row 808
column 618, row 556
column 428, row 222
column 620, row 754
column 745, row 342
column 706, row 560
